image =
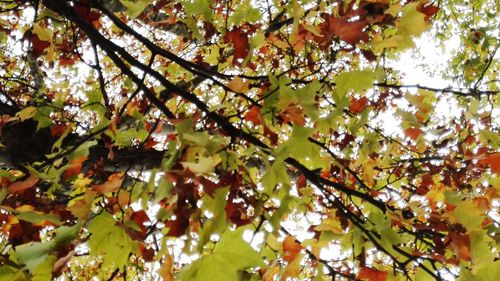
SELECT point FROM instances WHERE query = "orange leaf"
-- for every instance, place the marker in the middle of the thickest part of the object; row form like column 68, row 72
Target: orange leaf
column 372, row 274
column 493, row 160
column 460, row 243
column 290, row 249
column 254, row 115
column 239, row 85
column 21, row 186
column 357, row 105
column 74, row 168
column 112, row 184
column 295, row 115
column 413, row 133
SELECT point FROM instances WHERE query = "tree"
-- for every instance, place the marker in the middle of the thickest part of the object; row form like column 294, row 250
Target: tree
column 245, row 140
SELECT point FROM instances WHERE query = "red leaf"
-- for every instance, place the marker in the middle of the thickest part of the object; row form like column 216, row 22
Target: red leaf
column 273, row 137
column 38, row 45
column 357, row 105
column 21, row 186
column 349, row 31
column 413, row 133
column 239, row 39
column 178, row 226
column 83, row 10
column 290, row 249
column 372, row 274
column 74, row 168
column 428, row 10
column 493, row 160
column 140, row 217
column 57, row 130
column 254, row 115
column 147, row 254
column 236, row 213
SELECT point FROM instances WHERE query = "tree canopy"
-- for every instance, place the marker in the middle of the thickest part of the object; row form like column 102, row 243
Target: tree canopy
column 248, row 140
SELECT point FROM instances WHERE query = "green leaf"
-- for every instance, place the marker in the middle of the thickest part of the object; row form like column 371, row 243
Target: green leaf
column 354, row 80
column 43, row 272
column 36, row 217
column 244, row 12
column 230, row 255
column 199, row 7
column 274, row 175
column 135, row 8
column 468, row 215
column 299, row 147
column 34, row 253
column 217, row 223
column 8, row 273
column 3, row 194
column 109, row 241
column 27, row 113
column 412, row 22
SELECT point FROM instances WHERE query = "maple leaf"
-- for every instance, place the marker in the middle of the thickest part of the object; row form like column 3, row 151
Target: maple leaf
column 372, row 274
column 239, row 85
column 38, row 45
column 294, row 114
column 349, row 31
column 357, row 105
column 140, row 217
column 58, row 130
column 413, row 133
column 83, row 10
column 290, row 249
column 112, row 184
column 203, row 165
column 75, row 165
column 239, row 39
column 254, row 115
column 428, row 10
column 21, row 186
column 492, row 160
column 460, row 243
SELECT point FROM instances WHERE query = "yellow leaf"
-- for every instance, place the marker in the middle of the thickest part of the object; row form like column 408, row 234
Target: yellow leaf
column 293, row 269
column 204, row 165
column 27, row 113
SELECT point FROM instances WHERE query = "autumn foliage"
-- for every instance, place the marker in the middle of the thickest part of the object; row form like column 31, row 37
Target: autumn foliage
column 249, row 140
